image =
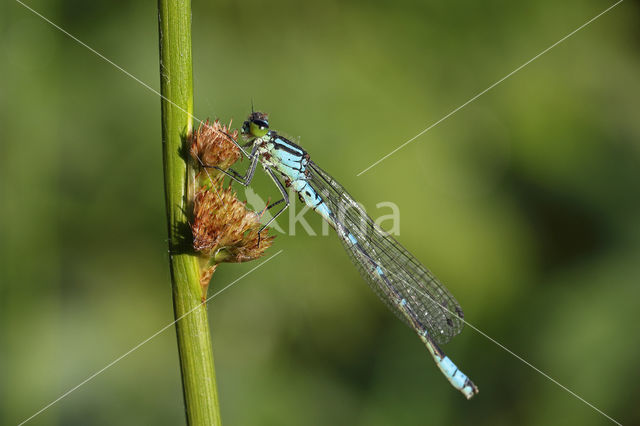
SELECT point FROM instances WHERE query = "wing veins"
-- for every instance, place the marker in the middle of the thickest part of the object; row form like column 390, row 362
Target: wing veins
column 388, row 254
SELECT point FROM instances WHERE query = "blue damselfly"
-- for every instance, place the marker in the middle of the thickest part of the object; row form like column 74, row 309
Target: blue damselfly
column 409, row 289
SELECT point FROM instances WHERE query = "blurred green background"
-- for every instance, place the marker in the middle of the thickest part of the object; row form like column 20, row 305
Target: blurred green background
column 526, row 203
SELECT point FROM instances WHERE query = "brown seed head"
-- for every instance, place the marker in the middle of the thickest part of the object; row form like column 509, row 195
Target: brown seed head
column 210, row 145
column 224, row 228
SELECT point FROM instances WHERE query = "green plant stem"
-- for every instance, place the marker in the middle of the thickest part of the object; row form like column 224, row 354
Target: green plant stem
column 194, row 341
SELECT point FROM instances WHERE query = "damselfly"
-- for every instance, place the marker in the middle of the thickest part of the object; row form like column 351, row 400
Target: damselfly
column 400, row 280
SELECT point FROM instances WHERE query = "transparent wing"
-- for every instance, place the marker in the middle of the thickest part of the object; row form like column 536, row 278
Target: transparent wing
column 432, row 306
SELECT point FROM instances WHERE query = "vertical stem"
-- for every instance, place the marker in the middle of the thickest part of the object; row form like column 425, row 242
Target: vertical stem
column 194, row 342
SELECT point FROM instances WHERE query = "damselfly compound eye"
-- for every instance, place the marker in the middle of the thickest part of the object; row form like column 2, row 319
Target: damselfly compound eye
column 258, row 124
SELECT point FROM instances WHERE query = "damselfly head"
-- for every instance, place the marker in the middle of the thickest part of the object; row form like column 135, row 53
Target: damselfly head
column 257, row 125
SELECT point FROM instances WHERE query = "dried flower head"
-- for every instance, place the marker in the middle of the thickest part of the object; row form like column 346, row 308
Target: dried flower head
column 224, row 229
column 211, row 146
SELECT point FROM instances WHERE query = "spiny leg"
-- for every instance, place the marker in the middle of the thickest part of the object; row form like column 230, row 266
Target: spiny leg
column 274, row 204
column 248, row 176
column 285, row 199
